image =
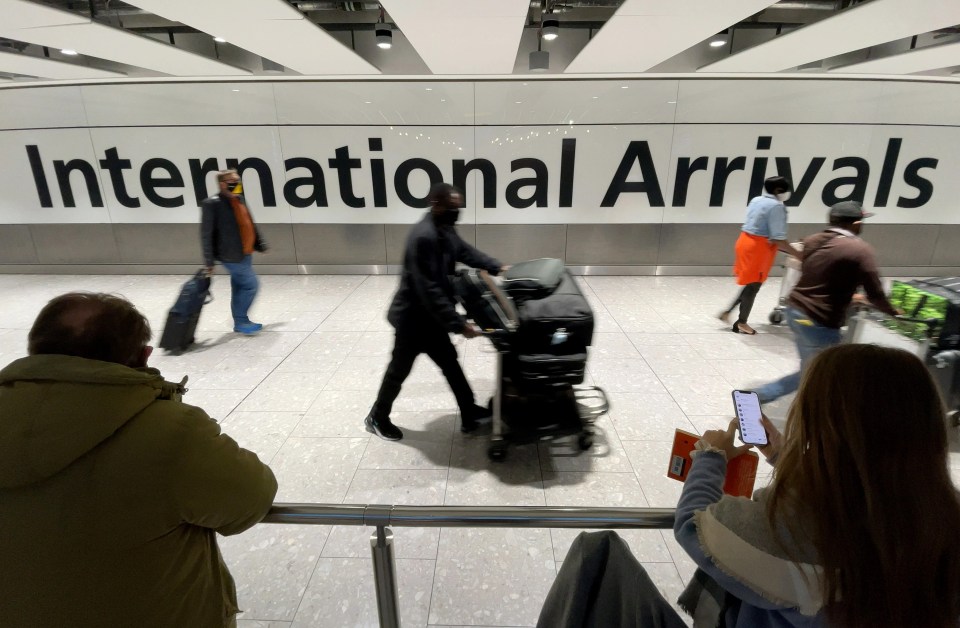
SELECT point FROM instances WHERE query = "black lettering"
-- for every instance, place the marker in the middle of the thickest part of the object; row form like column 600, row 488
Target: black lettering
column 198, row 174
column 318, row 186
column 721, row 173
column 858, row 181
column 539, row 181
column 115, row 166
column 63, row 171
column 460, row 171
column 39, row 176
column 263, row 173
column 150, row 183
column 377, row 176
column 759, row 170
column 343, row 164
column 638, row 151
column 684, row 170
column 887, row 172
column 568, row 160
column 401, row 180
column 911, row 177
column 800, row 188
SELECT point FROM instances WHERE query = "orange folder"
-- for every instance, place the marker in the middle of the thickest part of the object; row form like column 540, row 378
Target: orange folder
column 741, row 471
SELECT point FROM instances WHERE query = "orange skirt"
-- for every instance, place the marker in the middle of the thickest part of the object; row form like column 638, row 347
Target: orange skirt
column 754, row 258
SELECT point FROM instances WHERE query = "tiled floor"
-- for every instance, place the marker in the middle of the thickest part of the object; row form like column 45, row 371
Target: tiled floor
column 297, row 394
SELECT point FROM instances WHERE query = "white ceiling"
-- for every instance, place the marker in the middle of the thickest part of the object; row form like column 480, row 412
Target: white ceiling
column 48, row 68
column 865, row 25
column 479, row 37
column 270, row 28
column 46, row 26
column 921, row 60
column 644, row 33
column 462, row 36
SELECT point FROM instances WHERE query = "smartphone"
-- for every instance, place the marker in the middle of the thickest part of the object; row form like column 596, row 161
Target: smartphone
column 747, row 406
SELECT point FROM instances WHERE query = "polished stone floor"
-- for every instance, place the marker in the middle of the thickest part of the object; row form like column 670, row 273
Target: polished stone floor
column 297, row 394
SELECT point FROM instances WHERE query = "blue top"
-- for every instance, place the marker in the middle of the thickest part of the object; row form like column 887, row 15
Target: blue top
column 704, row 486
column 766, row 217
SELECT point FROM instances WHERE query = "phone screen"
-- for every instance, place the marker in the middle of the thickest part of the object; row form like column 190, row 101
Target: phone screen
column 747, row 406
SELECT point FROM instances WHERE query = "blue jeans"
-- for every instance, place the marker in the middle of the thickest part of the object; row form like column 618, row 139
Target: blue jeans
column 243, row 288
column 811, row 339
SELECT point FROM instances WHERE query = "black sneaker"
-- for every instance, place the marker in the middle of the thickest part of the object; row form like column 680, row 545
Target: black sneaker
column 384, row 429
column 471, row 420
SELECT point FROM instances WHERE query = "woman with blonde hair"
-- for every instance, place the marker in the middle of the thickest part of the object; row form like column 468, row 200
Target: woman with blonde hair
column 860, row 527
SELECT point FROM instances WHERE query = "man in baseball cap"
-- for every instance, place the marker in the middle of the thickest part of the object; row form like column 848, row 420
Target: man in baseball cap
column 835, row 263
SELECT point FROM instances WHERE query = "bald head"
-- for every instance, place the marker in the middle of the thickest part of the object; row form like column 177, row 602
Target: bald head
column 91, row 325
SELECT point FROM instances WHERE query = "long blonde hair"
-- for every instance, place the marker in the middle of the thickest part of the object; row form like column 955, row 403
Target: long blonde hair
column 865, row 460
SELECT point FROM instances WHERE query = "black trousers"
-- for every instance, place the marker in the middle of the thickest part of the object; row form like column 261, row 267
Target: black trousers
column 745, row 300
column 412, row 340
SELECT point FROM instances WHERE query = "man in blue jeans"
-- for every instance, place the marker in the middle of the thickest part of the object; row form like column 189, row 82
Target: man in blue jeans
column 229, row 235
column 835, row 263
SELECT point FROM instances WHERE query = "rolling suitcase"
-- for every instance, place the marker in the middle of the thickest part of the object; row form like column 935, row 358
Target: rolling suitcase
column 178, row 333
column 559, row 324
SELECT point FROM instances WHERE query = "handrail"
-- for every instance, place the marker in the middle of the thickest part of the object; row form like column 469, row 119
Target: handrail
column 471, row 516
column 383, row 515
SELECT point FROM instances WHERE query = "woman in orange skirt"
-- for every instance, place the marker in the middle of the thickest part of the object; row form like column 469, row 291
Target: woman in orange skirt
column 763, row 234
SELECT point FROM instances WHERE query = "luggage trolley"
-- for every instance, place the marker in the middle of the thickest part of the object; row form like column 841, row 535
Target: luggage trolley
column 791, row 275
column 537, row 396
column 927, row 338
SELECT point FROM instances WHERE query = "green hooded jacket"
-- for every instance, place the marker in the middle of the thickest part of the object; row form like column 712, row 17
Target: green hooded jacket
column 111, row 492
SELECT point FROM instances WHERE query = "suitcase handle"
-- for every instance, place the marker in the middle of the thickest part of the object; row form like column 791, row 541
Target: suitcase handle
column 505, row 304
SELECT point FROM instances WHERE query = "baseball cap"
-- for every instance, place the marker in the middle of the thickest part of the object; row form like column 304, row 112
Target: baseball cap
column 849, row 209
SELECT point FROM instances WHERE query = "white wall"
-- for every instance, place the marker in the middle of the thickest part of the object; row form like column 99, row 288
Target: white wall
column 498, row 120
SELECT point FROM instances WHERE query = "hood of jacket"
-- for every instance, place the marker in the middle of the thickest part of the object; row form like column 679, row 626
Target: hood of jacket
column 56, row 408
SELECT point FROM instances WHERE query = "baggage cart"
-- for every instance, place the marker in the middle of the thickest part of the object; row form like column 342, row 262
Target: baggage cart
column 791, row 275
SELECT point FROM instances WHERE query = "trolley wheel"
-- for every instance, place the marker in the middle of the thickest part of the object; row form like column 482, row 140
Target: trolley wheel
column 497, row 452
column 776, row 317
column 585, row 441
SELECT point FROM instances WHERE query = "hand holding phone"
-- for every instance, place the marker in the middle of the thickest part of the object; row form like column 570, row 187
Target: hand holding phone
column 746, row 405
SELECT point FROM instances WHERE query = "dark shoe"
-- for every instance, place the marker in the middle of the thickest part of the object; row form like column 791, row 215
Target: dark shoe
column 382, row 428
column 743, row 328
column 471, row 419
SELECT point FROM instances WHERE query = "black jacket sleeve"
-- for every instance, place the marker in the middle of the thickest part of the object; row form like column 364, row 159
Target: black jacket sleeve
column 208, row 221
column 429, row 289
column 475, row 258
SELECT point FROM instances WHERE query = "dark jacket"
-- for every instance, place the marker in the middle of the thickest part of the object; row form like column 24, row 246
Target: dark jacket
column 426, row 294
column 219, row 233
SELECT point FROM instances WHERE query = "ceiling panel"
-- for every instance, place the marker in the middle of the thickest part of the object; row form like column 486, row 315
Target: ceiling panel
column 920, row 60
column 462, row 36
column 865, row 25
column 644, row 33
column 48, row 68
column 44, row 26
column 270, row 28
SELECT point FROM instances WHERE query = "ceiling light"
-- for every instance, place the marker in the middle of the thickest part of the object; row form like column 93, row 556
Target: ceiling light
column 551, row 29
column 366, row 102
column 429, row 89
column 539, row 61
column 716, row 43
column 624, row 87
column 384, row 36
column 595, row 97
column 671, row 102
column 220, row 40
column 68, row 51
column 518, row 102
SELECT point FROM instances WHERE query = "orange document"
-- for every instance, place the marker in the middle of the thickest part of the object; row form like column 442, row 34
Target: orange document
column 741, row 471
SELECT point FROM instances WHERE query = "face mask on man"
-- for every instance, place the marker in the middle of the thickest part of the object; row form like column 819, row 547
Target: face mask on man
column 450, row 216
column 783, row 197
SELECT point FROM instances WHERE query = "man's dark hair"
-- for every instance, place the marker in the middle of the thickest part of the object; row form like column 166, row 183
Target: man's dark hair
column 441, row 192
column 776, row 185
column 90, row 325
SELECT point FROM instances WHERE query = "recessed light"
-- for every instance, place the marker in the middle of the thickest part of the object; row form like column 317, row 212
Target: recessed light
column 571, row 122
column 716, row 43
column 234, row 90
column 443, row 100
column 671, row 102
column 518, row 102
column 68, row 51
column 429, row 89
column 220, row 40
column 624, row 87
column 366, row 102
column 595, row 97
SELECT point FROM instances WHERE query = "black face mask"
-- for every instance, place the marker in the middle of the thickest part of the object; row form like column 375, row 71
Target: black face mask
column 448, row 218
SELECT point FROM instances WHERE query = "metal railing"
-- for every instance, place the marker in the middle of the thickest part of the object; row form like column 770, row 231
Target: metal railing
column 382, row 517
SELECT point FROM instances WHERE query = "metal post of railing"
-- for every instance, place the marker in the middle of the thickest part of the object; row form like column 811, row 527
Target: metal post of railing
column 385, row 577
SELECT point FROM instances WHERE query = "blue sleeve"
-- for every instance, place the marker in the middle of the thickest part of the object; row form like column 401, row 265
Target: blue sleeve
column 704, row 486
column 777, row 222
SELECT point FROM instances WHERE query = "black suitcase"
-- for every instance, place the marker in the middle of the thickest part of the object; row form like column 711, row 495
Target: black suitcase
column 534, row 279
column 559, row 324
column 948, row 335
column 551, row 370
column 178, row 333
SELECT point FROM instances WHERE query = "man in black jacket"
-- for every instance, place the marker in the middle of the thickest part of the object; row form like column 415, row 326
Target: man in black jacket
column 228, row 234
column 423, row 311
